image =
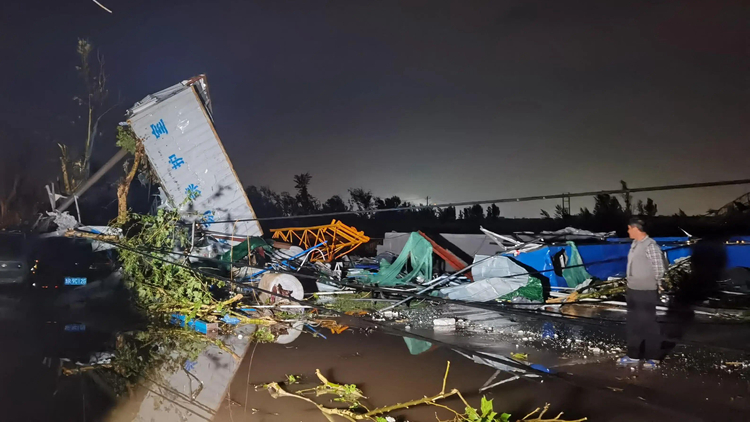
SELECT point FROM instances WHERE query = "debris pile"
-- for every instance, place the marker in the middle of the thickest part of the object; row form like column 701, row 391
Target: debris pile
column 209, row 282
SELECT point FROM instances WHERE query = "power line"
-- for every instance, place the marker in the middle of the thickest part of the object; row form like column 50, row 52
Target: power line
column 501, row 200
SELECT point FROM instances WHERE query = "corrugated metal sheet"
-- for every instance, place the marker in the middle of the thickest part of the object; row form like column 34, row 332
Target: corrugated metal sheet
column 185, row 151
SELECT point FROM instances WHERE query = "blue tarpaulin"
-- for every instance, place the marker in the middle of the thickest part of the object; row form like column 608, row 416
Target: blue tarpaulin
column 604, row 260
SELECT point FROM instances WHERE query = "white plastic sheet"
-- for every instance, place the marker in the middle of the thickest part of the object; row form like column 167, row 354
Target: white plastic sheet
column 494, row 277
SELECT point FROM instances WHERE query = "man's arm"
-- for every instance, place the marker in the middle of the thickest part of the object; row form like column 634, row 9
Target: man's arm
column 654, row 254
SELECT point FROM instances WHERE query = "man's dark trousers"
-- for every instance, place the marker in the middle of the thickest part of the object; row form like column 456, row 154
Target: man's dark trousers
column 644, row 337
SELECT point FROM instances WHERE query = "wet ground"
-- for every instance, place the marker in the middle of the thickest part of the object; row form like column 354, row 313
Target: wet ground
column 693, row 384
column 383, row 368
column 35, row 334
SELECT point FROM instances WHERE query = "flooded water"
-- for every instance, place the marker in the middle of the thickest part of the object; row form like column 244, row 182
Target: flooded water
column 383, row 368
column 692, row 384
column 35, row 335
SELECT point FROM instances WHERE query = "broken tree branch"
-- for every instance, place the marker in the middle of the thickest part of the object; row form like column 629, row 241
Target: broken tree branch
column 329, row 387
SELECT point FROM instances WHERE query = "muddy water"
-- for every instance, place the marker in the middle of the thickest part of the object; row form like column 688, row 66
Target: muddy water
column 383, row 368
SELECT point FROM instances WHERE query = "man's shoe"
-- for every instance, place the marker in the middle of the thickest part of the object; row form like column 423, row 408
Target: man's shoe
column 650, row 364
column 627, row 360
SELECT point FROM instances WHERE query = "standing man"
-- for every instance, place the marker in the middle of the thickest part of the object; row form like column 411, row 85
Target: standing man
column 646, row 266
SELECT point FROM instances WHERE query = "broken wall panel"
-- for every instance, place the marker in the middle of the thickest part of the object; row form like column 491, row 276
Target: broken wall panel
column 186, row 153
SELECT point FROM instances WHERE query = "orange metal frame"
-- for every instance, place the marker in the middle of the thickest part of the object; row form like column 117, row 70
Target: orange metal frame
column 340, row 239
column 448, row 256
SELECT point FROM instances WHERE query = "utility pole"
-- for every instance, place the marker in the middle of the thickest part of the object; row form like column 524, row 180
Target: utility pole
column 566, row 204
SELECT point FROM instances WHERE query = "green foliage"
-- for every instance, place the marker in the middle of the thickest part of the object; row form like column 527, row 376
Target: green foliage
column 284, row 315
column 347, row 393
column 292, row 379
column 160, row 287
column 126, row 139
column 485, row 413
column 263, row 335
column 349, row 303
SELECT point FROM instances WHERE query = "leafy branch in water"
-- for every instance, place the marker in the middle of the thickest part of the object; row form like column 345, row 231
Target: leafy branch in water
column 349, row 393
column 292, row 379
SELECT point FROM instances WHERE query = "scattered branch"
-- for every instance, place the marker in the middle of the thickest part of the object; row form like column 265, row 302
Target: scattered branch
column 345, row 392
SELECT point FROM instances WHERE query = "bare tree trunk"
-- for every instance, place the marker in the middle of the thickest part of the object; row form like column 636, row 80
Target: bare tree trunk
column 64, row 167
column 5, row 203
column 87, row 149
column 124, row 187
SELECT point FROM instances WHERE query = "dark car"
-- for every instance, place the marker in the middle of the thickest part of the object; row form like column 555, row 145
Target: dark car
column 61, row 263
column 14, row 259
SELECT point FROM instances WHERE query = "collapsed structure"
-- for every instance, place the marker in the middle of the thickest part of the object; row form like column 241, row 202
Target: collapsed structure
column 543, row 272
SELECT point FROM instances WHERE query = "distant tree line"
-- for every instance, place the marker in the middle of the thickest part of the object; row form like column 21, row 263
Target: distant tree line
column 268, row 203
column 608, row 213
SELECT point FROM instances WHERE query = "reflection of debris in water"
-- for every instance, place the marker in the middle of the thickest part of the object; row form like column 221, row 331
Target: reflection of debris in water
column 558, row 343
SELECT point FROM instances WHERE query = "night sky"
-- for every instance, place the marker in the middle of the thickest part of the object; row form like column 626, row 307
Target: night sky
column 454, row 100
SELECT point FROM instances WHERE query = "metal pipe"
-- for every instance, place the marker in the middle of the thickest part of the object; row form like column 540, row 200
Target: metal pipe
column 93, row 179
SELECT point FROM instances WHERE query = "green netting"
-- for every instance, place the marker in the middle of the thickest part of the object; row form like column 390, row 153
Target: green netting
column 532, row 291
column 418, row 251
column 578, row 274
column 240, row 250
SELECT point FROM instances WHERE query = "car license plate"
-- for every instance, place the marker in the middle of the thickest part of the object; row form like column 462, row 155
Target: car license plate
column 75, row 328
column 75, row 281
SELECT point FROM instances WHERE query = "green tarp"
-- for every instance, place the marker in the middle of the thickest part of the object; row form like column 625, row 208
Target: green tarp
column 578, row 274
column 531, row 291
column 241, row 250
column 418, row 252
